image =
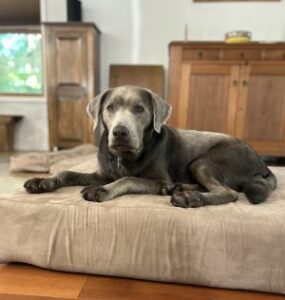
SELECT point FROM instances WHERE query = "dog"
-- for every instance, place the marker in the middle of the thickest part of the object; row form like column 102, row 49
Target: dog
column 139, row 154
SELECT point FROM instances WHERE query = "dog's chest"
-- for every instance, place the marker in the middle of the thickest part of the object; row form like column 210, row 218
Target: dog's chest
column 118, row 168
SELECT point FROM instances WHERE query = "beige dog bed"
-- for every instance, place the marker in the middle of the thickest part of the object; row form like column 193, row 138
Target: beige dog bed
column 51, row 162
column 237, row 245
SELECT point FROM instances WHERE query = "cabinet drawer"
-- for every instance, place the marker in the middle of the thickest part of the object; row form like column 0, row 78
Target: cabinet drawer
column 236, row 54
column 276, row 54
column 201, row 54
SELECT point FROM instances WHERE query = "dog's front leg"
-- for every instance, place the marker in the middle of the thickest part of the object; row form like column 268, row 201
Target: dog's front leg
column 122, row 186
column 63, row 179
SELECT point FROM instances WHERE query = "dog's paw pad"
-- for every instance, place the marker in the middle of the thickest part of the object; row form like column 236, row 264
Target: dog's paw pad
column 94, row 193
column 187, row 199
column 170, row 189
column 32, row 185
column 41, row 185
column 178, row 188
column 49, row 184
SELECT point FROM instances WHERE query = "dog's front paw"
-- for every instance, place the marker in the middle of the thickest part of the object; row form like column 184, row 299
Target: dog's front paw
column 41, row 185
column 187, row 199
column 170, row 189
column 95, row 193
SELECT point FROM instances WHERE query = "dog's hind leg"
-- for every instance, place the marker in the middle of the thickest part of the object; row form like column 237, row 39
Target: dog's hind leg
column 259, row 188
column 208, row 177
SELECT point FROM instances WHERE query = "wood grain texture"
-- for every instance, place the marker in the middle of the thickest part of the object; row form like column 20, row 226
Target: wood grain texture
column 17, row 279
column 242, row 102
column 30, row 297
column 237, row 54
column 24, row 282
column 148, row 76
column 207, row 97
column 208, row 106
column 98, row 287
column 220, row 45
column 7, row 125
column 93, row 75
column 233, row 97
column 19, row 12
column 69, row 53
column 201, row 54
column 261, row 119
column 275, row 54
column 233, row 88
column 174, row 81
column 183, row 107
column 265, row 118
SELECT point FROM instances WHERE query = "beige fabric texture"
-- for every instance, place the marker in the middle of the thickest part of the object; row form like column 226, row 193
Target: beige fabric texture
column 73, row 163
column 50, row 162
column 237, row 245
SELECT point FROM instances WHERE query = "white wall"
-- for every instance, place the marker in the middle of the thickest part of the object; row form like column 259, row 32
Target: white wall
column 210, row 21
column 139, row 31
column 135, row 31
column 53, row 10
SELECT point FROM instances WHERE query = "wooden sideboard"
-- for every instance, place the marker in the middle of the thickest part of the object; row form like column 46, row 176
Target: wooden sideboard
column 237, row 89
column 71, row 59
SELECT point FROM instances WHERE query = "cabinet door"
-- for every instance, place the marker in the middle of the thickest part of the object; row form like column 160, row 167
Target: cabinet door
column 261, row 107
column 69, row 57
column 208, row 97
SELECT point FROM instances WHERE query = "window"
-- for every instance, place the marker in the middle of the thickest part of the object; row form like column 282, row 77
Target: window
column 20, row 63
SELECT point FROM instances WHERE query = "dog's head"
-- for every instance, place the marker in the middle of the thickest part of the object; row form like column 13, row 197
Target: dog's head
column 126, row 112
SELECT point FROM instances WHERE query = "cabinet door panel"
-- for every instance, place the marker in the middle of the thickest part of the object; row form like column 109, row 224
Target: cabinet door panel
column 208, row 97
column 70, row 128
column 70, row 71
column 69, row 56
column 262, row 108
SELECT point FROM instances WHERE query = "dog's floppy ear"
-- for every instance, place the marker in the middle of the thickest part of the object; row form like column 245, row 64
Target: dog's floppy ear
column 161, row 111
column 94, row 107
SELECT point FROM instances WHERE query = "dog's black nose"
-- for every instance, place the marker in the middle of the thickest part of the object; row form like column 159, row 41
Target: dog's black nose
column 120, row 132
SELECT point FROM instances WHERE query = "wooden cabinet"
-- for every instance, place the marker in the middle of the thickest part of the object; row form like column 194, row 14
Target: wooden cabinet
column 234, row 89
column 208, row 97
column 261, row 112
column 71, row 64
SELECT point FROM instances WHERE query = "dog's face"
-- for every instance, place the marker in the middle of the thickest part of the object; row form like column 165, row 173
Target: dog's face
column 126, row 112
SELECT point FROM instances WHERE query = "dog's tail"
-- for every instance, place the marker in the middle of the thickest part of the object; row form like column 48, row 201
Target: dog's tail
column 261, row 185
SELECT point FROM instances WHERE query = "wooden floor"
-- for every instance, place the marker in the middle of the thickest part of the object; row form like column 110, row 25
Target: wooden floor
column 24, row 282
column 18, row 281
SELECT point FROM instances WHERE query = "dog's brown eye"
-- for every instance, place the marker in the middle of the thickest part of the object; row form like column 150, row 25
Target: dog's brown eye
column 111, row 107
column 138, row 109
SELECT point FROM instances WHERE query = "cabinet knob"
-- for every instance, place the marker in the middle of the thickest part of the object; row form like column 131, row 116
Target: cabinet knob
column 245, row 83
column 242, row 55
column 200, row 54
column 235, row 82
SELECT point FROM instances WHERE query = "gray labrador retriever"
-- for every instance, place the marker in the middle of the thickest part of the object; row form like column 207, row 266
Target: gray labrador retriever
column 138, row 154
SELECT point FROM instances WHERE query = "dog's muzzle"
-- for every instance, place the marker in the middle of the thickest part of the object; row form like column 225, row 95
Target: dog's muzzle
column 121, row 140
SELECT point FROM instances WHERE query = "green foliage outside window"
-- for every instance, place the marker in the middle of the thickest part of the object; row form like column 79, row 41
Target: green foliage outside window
column 20, row 63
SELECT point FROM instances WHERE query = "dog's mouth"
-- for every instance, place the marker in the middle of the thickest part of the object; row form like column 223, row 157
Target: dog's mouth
column 124, row 150
column 123, row 147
